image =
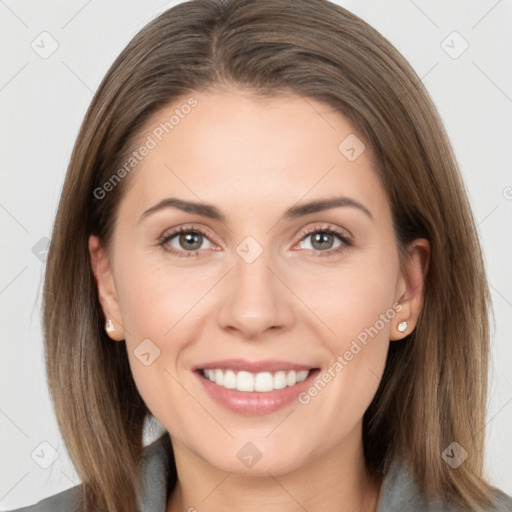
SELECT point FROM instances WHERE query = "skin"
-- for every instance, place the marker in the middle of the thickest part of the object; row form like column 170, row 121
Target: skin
column 253, row 159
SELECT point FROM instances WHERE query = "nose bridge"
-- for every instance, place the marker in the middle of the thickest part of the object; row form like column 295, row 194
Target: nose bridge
column 256, row 300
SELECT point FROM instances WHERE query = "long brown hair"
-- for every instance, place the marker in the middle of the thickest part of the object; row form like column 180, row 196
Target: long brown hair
column 434, row 388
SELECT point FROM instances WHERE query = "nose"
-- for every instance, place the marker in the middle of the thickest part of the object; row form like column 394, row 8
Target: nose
column 255, row 299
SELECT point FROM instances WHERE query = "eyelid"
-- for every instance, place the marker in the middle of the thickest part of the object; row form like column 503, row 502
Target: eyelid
column 326, row 226
column 170, row 232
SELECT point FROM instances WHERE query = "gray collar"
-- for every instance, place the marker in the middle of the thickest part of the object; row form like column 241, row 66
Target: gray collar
column 156, row 467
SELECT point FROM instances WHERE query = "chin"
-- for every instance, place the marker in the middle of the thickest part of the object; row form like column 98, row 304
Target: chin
column 259, row 458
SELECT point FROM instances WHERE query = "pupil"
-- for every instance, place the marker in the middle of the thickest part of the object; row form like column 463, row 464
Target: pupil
column 191, row 238
column 321, row 238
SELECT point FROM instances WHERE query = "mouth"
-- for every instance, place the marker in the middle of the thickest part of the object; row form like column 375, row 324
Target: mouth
column 255, row 388
column 261, row 382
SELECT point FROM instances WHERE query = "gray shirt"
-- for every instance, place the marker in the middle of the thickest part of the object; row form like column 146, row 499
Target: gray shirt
column 399, row 492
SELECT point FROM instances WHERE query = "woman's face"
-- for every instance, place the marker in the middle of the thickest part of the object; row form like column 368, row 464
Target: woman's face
column 259, row 288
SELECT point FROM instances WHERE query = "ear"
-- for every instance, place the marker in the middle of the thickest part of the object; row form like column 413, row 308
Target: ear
column 101, row 267
column 411, row 287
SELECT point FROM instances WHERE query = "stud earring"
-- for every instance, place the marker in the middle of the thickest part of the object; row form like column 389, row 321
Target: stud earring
column 109, row 326
column 402, row 326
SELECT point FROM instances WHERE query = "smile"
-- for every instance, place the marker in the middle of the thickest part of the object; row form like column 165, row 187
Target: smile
column 254, row 387
column 262, row 382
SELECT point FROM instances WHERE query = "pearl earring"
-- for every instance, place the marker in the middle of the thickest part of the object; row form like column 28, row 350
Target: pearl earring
column 109, row 325
column 402, row 326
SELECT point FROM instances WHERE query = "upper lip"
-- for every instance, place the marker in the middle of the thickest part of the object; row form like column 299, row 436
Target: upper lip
column 269, row 365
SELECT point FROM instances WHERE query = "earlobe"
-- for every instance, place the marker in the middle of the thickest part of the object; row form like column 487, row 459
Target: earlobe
column 107, row 294
column 411, row 288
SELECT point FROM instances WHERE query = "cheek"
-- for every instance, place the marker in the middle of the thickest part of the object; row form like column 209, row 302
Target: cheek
column 158, row 303
column 156, row 296
column 355, row 299
column 357, row 310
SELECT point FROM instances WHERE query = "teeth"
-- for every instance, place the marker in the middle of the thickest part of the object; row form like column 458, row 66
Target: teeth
column 229, row 380
column 263, row 381
column 280, row 380
column 218, row 377
column 249, row 382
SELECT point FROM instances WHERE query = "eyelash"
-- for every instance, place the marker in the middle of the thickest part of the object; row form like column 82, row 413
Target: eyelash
column 346, row 242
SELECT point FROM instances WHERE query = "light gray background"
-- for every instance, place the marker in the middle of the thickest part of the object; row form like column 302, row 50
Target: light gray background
column 43, row 101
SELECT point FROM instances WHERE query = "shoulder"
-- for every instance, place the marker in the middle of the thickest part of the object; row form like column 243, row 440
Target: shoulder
column 503, row 501
column 157, row 474
column 400, row 492
column 65, row 501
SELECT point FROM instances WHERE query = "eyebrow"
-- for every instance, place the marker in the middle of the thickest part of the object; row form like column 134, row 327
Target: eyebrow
column 212, row 212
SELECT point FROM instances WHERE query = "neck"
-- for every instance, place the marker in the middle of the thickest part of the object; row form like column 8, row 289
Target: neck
column 335, row 481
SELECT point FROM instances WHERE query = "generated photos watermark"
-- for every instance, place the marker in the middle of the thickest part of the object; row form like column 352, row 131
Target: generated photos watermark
column 343, row 360
column 151, row 142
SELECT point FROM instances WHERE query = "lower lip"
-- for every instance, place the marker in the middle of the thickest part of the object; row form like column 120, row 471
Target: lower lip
column 255, row 403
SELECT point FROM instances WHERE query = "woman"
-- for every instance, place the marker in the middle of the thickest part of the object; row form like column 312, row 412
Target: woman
column 263, row 241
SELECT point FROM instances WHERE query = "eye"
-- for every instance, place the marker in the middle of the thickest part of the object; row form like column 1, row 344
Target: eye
column 184, row 241
column 323, row 240
column 189, row 241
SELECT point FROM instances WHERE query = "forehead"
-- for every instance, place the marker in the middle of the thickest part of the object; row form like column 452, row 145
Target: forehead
column 243, row 152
